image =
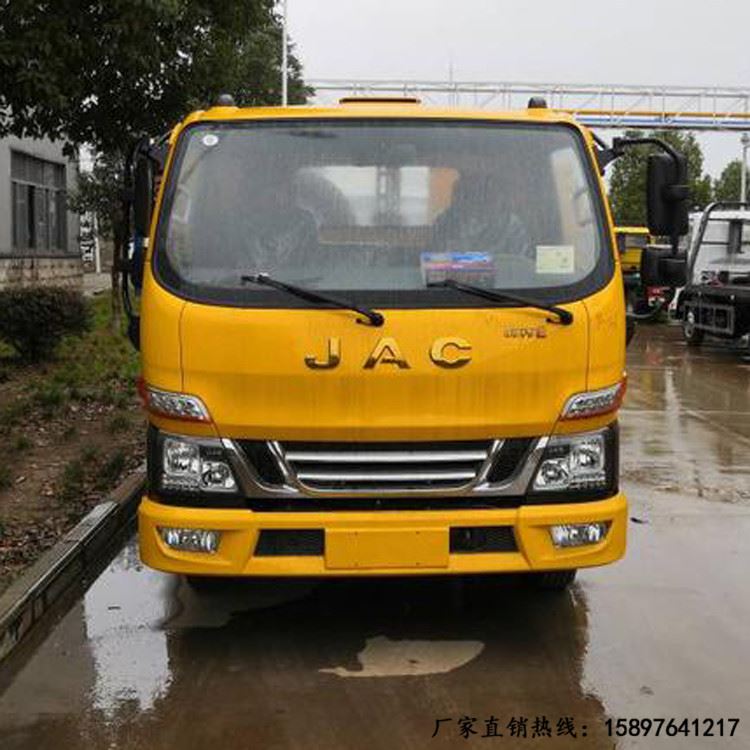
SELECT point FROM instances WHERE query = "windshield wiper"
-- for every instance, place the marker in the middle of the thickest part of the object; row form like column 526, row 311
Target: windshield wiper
column 374, row 318
column 564, row 317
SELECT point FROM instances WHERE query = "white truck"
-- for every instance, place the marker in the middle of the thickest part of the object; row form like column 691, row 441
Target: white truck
column 716, row 297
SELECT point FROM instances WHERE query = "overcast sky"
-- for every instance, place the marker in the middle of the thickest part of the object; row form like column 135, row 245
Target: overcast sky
column 611, row 41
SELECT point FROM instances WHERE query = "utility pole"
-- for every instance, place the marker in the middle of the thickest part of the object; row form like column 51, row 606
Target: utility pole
column 284, row 56
column 745, row 141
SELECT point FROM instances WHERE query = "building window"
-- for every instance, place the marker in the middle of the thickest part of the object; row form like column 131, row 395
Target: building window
column 39, row 204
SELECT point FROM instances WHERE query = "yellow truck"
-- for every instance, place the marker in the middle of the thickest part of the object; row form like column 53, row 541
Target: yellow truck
column 640, row 300
column 382, row 339
column 630, row 243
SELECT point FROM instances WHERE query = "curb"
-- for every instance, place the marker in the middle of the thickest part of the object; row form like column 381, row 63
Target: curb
column 28, row 598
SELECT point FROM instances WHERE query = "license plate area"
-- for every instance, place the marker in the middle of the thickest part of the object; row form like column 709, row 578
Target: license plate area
column 360, row 549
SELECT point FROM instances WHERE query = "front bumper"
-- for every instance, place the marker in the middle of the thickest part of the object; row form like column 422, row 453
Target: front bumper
column 413, row 542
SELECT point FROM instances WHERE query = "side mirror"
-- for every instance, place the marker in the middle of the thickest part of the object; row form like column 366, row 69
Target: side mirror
column 660, row 268
column 667, row 195
column 143, row 186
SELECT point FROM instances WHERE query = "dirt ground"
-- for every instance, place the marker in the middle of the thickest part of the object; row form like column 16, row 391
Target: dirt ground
column 69, row 431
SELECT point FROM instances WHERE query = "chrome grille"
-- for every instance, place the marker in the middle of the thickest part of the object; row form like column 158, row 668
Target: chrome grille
column 353, row 467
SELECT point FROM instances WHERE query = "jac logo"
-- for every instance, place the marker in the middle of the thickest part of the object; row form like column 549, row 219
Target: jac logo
column 449, row 352
column 539, row 332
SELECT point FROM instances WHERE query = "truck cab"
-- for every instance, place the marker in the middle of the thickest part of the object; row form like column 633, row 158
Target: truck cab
column 381, row 339
column 716, row 297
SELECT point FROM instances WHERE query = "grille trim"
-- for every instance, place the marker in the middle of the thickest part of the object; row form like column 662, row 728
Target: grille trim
column 510, row 459
column 398, row 457
column 484, row 485
column 355, row 468
column 385, row 476
column 263, row 461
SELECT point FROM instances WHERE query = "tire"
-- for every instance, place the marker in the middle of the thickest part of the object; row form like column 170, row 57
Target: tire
column 693, row 336
column 553, row 580
column 636, row 303
column 630, row 298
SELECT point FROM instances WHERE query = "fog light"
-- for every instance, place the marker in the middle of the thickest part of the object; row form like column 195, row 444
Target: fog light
column 578, row 534
column 191, row 540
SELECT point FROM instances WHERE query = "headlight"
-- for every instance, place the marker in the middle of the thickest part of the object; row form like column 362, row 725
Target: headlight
column 193, row 465
column 578, row 462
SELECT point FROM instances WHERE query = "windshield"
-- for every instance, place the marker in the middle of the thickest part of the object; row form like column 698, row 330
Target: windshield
column 631, row 241
column 381, row 209
column 723, row 255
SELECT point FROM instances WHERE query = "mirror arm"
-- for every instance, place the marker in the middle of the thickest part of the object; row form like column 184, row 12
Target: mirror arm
column 156, row 151
column 606, row 155
column 124, row 263
column 620, row 144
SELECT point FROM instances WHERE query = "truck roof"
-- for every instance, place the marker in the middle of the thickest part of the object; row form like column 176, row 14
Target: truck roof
column 379, row 108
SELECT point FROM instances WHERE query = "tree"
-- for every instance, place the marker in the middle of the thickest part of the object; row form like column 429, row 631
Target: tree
column 99, row 192
column 95, row 193
column 727, row 187
column 627, row 191
column 103, row 74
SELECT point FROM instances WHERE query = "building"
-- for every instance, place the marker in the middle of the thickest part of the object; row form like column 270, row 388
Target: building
column 39, row 240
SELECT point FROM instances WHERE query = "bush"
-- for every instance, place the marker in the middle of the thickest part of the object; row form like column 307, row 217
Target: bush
column 33, row 320
column 71, row 485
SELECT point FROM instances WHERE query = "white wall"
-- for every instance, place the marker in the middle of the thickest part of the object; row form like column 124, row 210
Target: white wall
column 31, row 268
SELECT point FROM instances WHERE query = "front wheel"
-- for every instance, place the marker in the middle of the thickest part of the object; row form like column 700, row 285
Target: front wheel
column 553, row 580
column 693, row 335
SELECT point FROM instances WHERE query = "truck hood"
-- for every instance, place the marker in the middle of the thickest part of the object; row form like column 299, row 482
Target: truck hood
column 423, row 375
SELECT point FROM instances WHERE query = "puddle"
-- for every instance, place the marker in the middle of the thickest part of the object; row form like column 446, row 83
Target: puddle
column 383, row 657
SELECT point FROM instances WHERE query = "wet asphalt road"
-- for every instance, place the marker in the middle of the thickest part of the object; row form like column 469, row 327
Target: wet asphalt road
column 141, row 661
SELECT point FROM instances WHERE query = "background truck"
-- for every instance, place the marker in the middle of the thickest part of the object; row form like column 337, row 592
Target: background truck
column 640, row 300
column 716, row 298
column 382, row 339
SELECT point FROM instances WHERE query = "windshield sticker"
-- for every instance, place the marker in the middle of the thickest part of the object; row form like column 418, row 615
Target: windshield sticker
column 469, row 267
column 210, row 139
column 555, row 259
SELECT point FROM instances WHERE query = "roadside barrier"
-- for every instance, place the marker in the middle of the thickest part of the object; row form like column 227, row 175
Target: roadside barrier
column 76, row 559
